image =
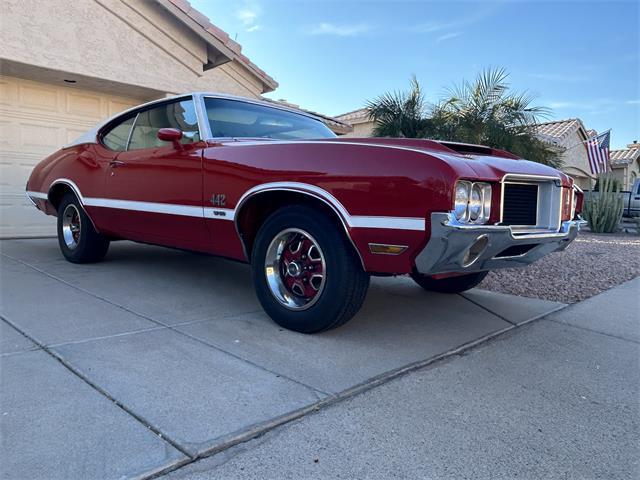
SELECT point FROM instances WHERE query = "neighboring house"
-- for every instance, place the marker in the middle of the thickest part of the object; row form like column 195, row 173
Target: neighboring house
column 625, row 164
column 65, row 66
column 360, row 121
column 567, row 138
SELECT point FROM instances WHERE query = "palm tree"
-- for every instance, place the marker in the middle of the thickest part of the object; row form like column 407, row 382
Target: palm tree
column 481, row 112
column 400, row 114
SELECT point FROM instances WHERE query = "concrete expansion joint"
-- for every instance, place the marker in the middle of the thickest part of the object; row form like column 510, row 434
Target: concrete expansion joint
column 262, row 429
column 100, row 390
column 317, row 392
column 587, row 329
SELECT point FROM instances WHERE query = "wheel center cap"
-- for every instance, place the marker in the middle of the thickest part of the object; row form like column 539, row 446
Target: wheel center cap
column 294, row 269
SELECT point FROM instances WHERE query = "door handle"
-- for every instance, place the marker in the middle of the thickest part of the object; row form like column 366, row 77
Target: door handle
column 116, row 163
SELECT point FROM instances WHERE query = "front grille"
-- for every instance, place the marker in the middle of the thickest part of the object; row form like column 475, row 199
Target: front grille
column 520, row 204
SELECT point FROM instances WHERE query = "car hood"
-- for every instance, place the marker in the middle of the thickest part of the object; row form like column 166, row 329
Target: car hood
column 468, row 160
column 464, row 160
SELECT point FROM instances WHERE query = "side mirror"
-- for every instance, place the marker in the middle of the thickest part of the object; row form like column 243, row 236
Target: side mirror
column 172, row 135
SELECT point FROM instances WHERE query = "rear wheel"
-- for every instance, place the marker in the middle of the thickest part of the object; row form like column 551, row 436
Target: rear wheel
column 79, row 242
column 306, row 275
column 457, row 284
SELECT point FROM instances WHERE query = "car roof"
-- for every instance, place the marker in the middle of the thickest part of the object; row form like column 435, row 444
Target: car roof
column 91, row 135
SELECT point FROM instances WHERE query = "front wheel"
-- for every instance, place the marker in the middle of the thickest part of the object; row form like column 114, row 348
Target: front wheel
column 79, row 242
column 456, row 284
column 306, row 275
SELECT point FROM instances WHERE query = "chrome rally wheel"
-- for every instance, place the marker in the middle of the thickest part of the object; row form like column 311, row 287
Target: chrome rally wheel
column 78, row 240
column 295, row 269
column 307, row 276
column 71, row 226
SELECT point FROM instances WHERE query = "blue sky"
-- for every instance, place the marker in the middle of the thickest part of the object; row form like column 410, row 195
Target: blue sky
column 581, row 59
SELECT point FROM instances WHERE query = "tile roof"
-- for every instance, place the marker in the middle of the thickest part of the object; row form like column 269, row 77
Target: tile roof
column 625, row 156
column 222, row 37
column 558, row 131
column 361, row 114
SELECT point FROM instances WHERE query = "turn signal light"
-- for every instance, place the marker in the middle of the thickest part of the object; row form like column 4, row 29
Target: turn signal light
column 383, row 249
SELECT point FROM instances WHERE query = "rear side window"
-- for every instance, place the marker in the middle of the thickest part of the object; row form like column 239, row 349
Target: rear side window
column 180, row 115
column 233, row 118
column 117, row 138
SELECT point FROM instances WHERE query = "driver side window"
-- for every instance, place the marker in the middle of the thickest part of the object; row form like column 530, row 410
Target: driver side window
column 180, row 115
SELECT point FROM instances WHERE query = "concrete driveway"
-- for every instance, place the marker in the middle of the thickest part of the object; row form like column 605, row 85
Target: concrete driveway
column 156, row 357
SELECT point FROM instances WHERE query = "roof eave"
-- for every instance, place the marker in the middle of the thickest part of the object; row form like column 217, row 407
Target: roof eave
column 228, row 50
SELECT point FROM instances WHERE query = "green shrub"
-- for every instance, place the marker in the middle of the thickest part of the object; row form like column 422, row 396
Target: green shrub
column 603, row 210
column 616, row 185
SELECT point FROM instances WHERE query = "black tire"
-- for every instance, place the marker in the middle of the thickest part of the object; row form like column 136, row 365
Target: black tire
column 85, row 245
column 460, row 283
column 345, row 282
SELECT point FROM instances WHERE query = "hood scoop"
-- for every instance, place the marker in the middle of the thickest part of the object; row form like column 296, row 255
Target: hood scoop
column 470, row 149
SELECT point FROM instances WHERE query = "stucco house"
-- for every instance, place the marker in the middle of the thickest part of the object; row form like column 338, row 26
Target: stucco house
column 567, row 138
column 361, row 122
column 65, row 65
column 625, row 164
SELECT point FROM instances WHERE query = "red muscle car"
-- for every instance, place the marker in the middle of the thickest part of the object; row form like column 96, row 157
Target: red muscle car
column 314, row 214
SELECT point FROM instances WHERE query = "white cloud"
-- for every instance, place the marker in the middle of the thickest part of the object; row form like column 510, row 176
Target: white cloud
column 483, row 12
column 431, row 27
column 248, row 15
column 632, row 102
column 563, row 104
column 448, row 36
column 345, row 30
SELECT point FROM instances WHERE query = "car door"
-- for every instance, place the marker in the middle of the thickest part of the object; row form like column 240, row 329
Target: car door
column 155, row 187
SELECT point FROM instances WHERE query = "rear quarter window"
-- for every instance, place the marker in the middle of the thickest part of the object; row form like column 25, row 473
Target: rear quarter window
column 117, row 137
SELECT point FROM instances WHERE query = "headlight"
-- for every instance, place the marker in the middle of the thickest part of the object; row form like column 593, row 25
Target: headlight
column 475, row 202
column 462, row 200
column 472, row 202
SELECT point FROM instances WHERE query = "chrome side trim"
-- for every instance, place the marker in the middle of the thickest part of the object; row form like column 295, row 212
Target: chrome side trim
column 71, row 184
column 149, row 207
column 352, row 221
column 290, row 187
column 36, row 195
column 76, row 190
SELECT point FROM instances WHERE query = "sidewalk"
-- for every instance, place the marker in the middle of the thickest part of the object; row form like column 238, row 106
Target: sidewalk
column 558, row 398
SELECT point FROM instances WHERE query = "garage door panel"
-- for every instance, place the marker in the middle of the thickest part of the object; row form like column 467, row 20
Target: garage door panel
column 8, row 92
column 39, row 138
column 39, row 97
column 84, row 105
column 36, row 119
column 114, row 107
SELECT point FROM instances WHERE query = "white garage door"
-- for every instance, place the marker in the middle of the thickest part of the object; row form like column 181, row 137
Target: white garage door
column 36, row 119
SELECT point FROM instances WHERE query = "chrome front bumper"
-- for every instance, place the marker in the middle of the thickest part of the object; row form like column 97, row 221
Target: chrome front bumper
column 457, row 247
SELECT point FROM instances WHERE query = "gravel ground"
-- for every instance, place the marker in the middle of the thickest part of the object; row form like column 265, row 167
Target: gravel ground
column 591, row 264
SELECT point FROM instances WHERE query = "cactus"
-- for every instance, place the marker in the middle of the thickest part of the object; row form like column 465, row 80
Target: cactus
column 603, row 210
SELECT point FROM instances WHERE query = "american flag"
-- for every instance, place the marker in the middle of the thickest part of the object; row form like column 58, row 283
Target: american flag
column 598, row 152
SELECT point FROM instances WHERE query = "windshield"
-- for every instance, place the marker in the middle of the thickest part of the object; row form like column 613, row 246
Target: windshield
column 237, row 119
